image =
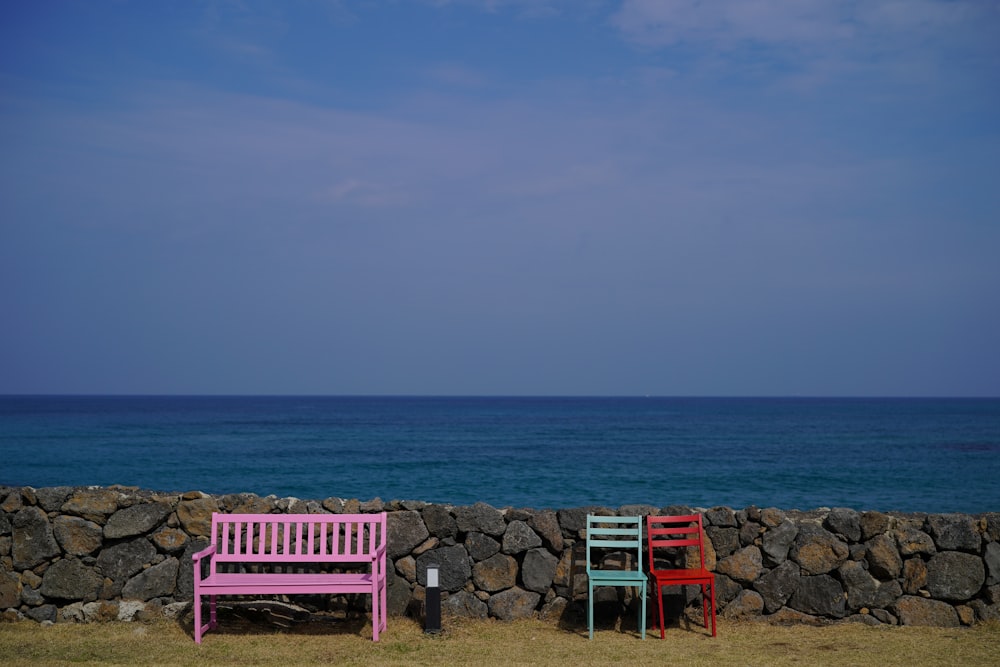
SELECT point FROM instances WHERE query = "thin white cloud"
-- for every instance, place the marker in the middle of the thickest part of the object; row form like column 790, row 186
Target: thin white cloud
column 729, row 24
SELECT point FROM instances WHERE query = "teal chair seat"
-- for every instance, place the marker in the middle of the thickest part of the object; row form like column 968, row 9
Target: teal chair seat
column 615, row 534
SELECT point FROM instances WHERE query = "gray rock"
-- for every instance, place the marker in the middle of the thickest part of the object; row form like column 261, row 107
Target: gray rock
column 913, row 542
column 861, row 587
column 641, row 510
column 985, row 612
column 464, row 605
column 185, row 573
column 546, row 524
column 156, row 581
column 31, row 596
column 912, row 610
column 538, row 570
column 778, row 540
column 725, row 541
column 887, row 594
column 454, row 567
column 749, row 532
column 136, row 520
column 819, row 595
column 955, row 576
column 722, row 517
column 726, row 589
column 863, row 619
column 991, row 558
column 439, row 521
column 397, row 594
column 519, row 537
column 52, row 498
column 121, row 561
column 513, row 603
column 481, row 546
column 885, row 616
column 69, row 579
column 33, row 540
column 482, row 518
column 45, row 613
column 778, row 585
column 406, row 530
column 954, row 531
column 844, row 522
column 574, row 520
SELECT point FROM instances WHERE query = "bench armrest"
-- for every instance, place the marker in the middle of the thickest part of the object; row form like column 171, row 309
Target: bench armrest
column 204, row 552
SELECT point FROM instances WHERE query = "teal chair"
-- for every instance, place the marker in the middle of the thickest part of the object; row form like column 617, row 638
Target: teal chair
column 618, row 534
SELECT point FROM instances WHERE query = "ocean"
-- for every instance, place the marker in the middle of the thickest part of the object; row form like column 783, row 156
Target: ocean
column 911, row 455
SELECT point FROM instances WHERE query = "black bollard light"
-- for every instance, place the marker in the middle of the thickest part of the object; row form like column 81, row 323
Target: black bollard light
column 432, row 602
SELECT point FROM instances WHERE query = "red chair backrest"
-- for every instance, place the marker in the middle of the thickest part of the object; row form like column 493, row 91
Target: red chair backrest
column 685, row 530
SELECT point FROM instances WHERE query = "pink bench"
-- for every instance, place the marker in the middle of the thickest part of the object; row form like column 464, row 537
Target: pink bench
column 268, row 554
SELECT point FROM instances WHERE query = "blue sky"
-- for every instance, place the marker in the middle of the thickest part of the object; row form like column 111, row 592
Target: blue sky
column 737, row 197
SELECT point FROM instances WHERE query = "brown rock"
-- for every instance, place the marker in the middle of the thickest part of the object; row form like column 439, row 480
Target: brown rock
column 92, row 504
column 874, row 523
column 883, row 558
column 818, row 551
column 744, row 566
column 748, row 604
column 196, row 516
column 10, row 590
column 912, row 610
column 77, row 536
column 914, row 576
column 170, row 539
column 496, row 573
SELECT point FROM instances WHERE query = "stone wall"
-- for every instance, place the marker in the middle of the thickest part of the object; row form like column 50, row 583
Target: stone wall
column 104, row 553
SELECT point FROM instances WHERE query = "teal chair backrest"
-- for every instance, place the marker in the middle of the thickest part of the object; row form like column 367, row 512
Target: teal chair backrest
column 614, row 532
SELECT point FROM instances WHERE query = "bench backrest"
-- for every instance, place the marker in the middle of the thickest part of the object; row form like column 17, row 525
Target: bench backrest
column 298, row 538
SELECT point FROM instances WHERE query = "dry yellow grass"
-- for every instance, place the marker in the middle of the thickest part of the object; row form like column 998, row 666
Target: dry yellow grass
column 495, row 643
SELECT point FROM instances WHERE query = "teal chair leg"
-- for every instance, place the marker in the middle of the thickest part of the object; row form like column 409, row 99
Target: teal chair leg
column 590, row 609
column 642, row 616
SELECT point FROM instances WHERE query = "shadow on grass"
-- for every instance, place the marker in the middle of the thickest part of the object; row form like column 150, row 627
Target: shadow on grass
column 271, row 617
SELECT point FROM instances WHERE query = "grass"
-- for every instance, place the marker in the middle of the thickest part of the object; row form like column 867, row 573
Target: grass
column 466, row 642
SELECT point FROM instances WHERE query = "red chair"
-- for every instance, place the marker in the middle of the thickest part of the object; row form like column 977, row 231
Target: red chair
column 665, row 532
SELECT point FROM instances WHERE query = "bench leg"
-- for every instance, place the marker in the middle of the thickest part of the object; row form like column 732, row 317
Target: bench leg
column 375, row 628
column 197, row 617
column 199, row 627
column 384, row 606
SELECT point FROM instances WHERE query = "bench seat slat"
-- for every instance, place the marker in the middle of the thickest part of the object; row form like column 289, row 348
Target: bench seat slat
column 292, row 583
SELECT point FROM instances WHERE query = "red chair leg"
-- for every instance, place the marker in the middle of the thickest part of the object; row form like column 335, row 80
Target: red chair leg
column 659, row 601
column 704, row 604
column 712, row 586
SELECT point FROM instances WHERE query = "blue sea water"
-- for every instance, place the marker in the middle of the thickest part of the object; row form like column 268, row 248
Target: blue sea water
column 923, row 455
